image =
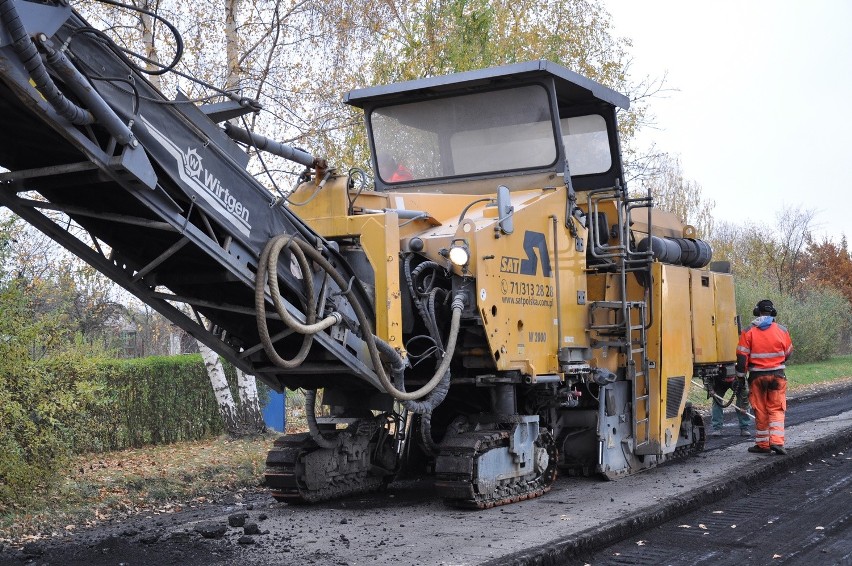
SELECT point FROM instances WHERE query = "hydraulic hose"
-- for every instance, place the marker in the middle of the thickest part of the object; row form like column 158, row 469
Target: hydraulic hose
column 272, row 250
column 30, row 58
column 433, row 398
column 429, row 443
column 260, row 307
column 443, row 371
column 316, row 256
column 313, row 427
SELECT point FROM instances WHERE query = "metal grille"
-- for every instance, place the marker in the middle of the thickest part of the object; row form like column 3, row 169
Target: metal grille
column 674, row 393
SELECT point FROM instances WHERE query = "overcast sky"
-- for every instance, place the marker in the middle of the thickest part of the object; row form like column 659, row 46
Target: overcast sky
column 762, row 117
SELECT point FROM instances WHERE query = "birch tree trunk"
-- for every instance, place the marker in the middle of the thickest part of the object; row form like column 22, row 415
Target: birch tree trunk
column 251, row 417
column 232, row 45
column 227, row 406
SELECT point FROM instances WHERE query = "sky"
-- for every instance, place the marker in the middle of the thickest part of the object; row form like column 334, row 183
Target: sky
column 762, row 112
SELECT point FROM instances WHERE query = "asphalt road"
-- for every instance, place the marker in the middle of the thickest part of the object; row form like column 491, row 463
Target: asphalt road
column 803, row 516
column 406, row 525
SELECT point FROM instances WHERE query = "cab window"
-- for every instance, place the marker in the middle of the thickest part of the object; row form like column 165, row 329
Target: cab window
column 487, row 132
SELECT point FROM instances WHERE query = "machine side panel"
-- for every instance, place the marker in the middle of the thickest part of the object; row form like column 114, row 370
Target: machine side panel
column 528, row 287
column 675, row 356
column 727, row 324
column 703, row 295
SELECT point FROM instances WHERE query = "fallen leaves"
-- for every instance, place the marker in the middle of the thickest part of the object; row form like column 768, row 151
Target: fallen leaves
column 162, row 479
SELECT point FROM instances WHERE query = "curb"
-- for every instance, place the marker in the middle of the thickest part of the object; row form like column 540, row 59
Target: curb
column 558, row 552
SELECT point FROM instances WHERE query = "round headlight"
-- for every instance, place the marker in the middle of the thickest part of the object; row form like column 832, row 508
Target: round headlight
column 459, row 255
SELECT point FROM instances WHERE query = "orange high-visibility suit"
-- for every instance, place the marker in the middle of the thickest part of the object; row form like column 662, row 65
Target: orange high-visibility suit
column 763, row 351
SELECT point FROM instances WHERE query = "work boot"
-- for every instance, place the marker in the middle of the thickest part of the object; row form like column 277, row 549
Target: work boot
column 744, row 432
column 758, row 450
column 778, row 449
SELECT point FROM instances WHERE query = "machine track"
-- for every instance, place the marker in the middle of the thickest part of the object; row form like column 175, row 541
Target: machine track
column 465, row 490
column 699, row 436
column 287, row 473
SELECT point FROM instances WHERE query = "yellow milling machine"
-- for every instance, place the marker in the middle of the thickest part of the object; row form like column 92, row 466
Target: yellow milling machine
column 584, row 312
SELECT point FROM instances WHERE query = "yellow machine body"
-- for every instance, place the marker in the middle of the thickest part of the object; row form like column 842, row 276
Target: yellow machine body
column 581, row 312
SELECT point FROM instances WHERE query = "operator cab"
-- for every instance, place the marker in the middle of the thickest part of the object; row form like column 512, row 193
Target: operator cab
column 525, row 123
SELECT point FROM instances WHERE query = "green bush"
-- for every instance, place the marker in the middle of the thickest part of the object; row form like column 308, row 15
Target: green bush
column 70, row 403
column 31, row 405
column 157, row 400
column 816, row 319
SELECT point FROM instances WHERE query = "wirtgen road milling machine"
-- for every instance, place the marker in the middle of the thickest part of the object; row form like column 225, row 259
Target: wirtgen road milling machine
column 490, row 307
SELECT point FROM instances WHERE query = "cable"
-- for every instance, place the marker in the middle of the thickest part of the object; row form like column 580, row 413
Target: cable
column 470, row 204
column 123, row 80
column 178, row 40
column 122, row 53
column 313, row 427
column 350, row 182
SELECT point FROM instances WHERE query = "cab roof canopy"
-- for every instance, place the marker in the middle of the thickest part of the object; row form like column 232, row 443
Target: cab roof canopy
column 571, row 88
column 575, row 96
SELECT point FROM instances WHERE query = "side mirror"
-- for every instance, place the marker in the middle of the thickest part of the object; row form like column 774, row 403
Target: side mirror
column 505, row 210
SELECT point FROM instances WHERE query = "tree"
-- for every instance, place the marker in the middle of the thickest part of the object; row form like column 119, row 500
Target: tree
column 32, row 447
column 830, row 264
column 739, row 245
column 414, row 39
column 238, row 50
column 245, row 418
column 777, row 252
column 76, row 305
column 785, row 253
column 678, row 195
column 221, row 389
column 830, row 267
column 809, row 282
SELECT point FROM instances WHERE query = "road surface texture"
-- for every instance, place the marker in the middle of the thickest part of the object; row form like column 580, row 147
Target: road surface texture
column 406, row 525
column 803, row 516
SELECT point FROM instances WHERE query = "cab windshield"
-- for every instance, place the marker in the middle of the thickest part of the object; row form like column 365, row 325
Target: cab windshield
column 487, row 132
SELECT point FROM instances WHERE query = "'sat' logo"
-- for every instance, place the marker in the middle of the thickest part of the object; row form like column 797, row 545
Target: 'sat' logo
column 535, row 247
column 535, row 241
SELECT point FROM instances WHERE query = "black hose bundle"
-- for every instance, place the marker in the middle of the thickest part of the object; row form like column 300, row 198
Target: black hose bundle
column 31, row 59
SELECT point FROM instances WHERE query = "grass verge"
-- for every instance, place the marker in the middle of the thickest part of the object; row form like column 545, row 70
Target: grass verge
column 157, row 479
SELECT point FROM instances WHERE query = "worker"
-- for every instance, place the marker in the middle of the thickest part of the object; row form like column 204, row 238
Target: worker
column 721, row 385
column 392, row 170
column 763, row 351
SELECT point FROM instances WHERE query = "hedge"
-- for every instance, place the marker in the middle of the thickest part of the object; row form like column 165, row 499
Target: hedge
column 156, row 400
column 71, row 404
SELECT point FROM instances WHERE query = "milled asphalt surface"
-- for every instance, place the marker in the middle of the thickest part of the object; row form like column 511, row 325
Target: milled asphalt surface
column 406, row 524
column 684, row 486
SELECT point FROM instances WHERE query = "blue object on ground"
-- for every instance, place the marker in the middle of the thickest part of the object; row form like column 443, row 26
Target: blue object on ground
column 274, row 413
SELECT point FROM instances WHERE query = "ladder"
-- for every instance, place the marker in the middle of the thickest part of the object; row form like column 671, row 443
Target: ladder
column 622, row 323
